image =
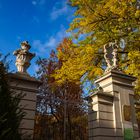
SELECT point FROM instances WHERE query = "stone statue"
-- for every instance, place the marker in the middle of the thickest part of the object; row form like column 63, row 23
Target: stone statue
column 111, row 55
column 115, row 56
column 23, row 57
column 106, row 57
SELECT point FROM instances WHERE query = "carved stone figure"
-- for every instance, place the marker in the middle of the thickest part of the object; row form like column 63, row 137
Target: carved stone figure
column 115, row 55
column 111, row 55
column 107, row 59
column 23, row 57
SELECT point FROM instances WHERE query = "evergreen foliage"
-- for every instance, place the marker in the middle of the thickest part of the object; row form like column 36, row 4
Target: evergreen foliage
column 10, row 112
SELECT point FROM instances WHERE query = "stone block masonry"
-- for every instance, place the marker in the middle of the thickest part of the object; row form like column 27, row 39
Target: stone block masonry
column 28, row 86
column 22, row 83
column 112, row 112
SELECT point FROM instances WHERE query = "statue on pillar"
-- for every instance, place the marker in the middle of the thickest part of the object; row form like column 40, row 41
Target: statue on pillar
column 111, row 55
column 23, row 57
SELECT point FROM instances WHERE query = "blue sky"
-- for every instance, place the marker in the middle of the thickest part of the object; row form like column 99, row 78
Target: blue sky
column 42, row 22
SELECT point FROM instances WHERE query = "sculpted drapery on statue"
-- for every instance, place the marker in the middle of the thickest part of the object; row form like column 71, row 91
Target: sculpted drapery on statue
column 111, row 55
column 23, row 57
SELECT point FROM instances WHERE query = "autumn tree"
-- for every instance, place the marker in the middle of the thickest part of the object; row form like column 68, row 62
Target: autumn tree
column 101, row 22
column 98, row 22
column 79, row 64
column 61, row 104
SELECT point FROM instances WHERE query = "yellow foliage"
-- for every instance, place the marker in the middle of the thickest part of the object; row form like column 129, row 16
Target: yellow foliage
column 105, row 21
column 76, row 61
column 102, row 21
column 134, row 67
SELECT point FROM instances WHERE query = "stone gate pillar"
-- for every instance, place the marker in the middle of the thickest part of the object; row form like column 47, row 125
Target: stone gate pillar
column 112, row 112
column 21, row 82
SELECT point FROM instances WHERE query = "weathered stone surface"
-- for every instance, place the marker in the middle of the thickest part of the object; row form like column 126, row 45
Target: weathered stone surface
column 108, row 123
column 23, row 57
column 24, row 84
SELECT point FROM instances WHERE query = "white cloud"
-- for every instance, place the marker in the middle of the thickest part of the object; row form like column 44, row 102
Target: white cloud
column 42, row 48
column 39, row 46
column 59, row 9
column 34, row 2
column 52, row 42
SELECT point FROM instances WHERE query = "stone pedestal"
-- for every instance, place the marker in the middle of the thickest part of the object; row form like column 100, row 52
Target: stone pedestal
column 22, row 83
column 112, row 113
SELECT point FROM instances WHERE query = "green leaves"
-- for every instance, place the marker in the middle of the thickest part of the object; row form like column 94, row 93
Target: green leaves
column 103, row 22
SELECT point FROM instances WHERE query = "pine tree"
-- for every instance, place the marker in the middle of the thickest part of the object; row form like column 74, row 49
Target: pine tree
column 10, row 112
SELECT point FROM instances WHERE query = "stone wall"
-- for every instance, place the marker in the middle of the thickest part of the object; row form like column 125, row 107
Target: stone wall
column 112, row 114
column 24, row 84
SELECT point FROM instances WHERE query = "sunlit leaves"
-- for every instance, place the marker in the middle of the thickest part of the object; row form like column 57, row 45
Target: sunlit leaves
column 105, row 21
column 77, row 60
column 134, row 67
column 109, row 20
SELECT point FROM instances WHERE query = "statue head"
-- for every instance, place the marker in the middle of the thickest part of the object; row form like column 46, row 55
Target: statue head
column 25, row 45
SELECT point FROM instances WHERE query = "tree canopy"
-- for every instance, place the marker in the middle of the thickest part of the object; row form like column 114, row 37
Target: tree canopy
column 60, row 107
column 101, row 22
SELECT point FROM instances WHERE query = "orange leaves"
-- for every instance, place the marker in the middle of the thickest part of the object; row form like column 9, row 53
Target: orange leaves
column 64, row 45
column 64, row 49
column 76, row 62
